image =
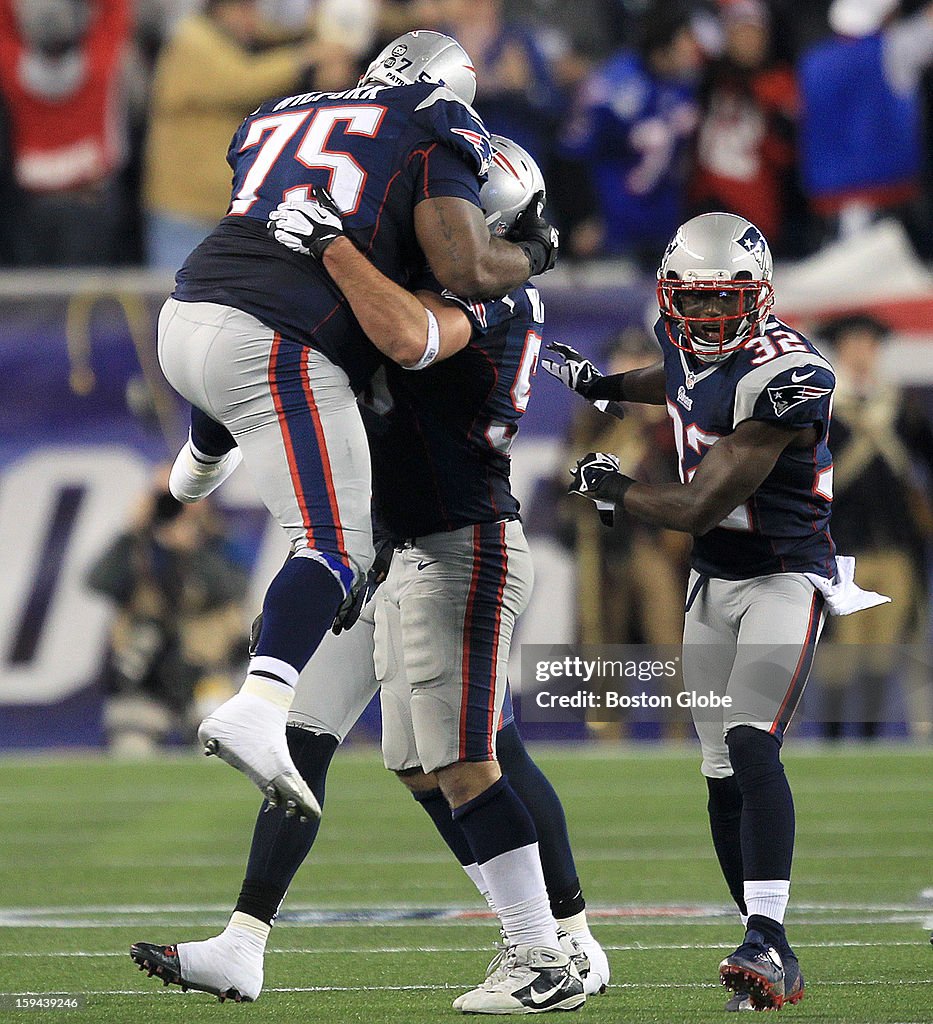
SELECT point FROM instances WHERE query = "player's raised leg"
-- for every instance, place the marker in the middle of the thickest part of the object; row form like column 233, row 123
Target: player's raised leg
column 287, row 408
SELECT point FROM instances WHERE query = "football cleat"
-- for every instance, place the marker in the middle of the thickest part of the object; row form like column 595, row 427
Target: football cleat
column 248, row 733
column 530, row 979
column 755, row 968
column 198, row 966
column 192, row 479
column 793, row 980
column 591, row 961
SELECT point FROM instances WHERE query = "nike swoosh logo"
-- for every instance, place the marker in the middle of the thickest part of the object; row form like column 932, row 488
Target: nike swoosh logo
column 540, row 998
column 799, row 380
column 424, row 565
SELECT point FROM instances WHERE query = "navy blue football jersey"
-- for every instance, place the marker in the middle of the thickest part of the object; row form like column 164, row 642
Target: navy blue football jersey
column 440, row 437
column 379, row 150
column 780, row 378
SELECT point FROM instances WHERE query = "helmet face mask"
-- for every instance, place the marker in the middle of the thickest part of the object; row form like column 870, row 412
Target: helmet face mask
column 714, row 285
column 513, row 179
column 424, row 56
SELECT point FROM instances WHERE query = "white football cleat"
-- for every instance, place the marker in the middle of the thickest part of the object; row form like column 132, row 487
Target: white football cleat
column 248, row 733
column 531, row 979
column 591, row 961
column 192, row 478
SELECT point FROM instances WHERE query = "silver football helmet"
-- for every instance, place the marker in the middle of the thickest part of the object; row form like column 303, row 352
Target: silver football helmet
column 513, row 179
column 424, row 56
column 714, row 285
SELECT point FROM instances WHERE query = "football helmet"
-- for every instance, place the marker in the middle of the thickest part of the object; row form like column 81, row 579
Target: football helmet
column 513, row 179
column 424, row 56
column 714, row 285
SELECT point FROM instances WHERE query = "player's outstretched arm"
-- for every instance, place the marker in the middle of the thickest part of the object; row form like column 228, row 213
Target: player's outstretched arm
column 731, row 471
column 644, row 385
column 412, row 331
column 465, row 258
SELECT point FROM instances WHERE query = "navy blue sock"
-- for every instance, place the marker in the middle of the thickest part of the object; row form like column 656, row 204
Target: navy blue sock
column 495, row 822
column 773, row 931
column 725, row 819
column 543, row 804
column 209, row 436
column 434, row 802
column 298, row 610
column 767, row 829
column 281, row 844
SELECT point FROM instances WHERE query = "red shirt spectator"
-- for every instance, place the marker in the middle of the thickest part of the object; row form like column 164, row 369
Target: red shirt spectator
column 62, row 93
column 745, row 145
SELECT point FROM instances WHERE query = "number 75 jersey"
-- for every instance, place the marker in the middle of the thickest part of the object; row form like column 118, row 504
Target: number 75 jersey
column 777, row 377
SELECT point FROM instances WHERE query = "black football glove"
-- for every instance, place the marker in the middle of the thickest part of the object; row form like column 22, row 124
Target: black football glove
column 307, row 226
column 579, row 374
column 590, row 475
column 537, row 239
column 363, row 591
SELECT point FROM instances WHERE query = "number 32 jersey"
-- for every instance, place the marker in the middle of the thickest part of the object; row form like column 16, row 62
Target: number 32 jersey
column 777, row 377
column 379, row 150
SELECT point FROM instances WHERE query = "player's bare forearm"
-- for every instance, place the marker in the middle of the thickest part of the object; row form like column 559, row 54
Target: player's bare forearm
column 462, row 254
column 645, row 386
column 731, row 471
column 394, row 319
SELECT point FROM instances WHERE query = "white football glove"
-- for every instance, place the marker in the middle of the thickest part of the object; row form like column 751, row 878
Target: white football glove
column 579, row 374
column 307, row 226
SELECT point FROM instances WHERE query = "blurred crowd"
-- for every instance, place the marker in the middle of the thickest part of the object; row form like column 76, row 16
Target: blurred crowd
column 809, row 119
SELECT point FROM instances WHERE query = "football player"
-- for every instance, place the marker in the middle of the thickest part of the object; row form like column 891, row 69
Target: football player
column 266, row 349
column 750, row 401
column 440, row 443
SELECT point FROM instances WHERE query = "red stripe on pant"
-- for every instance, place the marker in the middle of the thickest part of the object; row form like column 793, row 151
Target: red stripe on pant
column 287, row 439
column 802, row 669
column 474, row 657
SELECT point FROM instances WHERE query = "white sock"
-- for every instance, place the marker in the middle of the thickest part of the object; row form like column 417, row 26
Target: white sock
column 516, row 885
column 248, row 930
column 576, row 925
column 475, row 874
column 744, row 920
column 276, row 692
column 769, row 899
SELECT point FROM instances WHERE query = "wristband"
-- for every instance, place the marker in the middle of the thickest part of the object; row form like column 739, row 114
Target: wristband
column 432, row 346
column 608, row 388
column 537, row 256
column 613, row 488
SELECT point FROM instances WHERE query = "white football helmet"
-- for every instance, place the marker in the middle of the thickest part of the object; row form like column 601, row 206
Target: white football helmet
column 714, row 285
column 424, row 56
column 513, row 179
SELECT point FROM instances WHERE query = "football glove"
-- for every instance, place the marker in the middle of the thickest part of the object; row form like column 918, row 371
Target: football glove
column 537, row 239
column 590, row 475
column 363, row 590
column 579, row 374
column 307, row 226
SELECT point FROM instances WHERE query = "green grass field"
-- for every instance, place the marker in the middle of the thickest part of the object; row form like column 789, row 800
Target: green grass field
column 96, row 854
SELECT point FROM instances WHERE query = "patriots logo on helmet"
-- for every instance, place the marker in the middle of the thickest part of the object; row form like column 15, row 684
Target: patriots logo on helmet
column 479, row 142
column 753, row 241
column 791, row 395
